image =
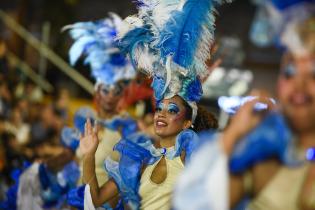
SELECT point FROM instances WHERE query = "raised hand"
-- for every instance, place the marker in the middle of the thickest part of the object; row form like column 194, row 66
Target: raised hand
column 89, row 140
column 243, row 122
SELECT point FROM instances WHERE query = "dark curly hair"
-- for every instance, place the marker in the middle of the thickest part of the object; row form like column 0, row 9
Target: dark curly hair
column 205, row 120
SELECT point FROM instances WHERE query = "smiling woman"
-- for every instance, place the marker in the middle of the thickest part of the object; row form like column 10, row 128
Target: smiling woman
column 147, row 170
column 157, row 163
column 263, row 156
column 170, row 117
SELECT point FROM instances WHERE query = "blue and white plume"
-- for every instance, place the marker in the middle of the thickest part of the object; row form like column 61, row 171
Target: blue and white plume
column 96, row 41
column 171, row 40
column 277, row 21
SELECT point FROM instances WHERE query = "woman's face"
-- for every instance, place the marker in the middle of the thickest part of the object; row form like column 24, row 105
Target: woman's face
column 296, row 91
column 108, row 97
column 170, row 117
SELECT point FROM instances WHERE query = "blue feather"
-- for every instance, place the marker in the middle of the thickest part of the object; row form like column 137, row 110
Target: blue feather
column 133, row 39
column 145, row 5
column 96, row 41
column 183, row 33
column 80, row 29
column 78, row 48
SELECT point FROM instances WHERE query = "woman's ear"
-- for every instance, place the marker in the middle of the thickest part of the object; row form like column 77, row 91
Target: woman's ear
column 187, row 124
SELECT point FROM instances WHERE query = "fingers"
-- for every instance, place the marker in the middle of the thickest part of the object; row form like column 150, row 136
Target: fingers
column 248, row 106
column 88, row 127
column 259, row 105
column 96, row 127
column 271, row 104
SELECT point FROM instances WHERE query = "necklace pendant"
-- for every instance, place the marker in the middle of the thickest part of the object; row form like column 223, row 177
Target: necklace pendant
column 163, row 151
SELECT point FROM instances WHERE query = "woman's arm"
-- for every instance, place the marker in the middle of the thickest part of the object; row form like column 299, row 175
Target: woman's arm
column 307, row 194
column 88, row 146
column 241, row 124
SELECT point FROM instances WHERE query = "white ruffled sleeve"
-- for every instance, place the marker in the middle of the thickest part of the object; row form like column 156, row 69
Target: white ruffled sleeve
column 204, row 182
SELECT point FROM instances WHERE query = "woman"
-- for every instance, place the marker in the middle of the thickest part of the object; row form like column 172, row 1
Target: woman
column 266, row 145
column 147, row 170
column 111, row 71
column 172, row 121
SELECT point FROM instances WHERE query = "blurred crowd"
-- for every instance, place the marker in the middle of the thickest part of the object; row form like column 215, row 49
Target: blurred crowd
column 30, row 121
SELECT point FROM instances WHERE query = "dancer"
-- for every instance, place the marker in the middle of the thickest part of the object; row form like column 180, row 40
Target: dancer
column 112, row 72
column 172, row 47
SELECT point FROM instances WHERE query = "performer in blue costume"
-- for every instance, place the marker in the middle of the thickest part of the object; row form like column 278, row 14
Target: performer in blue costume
column 268, row 155
column 170, row 41
column 112, row 72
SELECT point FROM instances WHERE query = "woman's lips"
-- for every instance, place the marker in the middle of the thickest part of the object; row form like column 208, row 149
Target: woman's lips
column 300, row 99
column 161, row 123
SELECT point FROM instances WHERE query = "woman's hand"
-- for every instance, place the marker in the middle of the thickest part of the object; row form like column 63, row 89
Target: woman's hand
column 89, row 140
column 243, row 122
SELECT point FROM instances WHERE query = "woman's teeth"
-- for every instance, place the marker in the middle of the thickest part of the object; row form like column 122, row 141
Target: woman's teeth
column 160, row 123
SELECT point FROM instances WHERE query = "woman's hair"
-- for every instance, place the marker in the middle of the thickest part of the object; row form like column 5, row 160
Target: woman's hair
column 205, row 120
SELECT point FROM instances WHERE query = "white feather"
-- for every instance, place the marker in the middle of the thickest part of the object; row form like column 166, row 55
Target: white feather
column 163, row 9
column 128, row 24
column 168, row 72
column 292, row 41
column 145, row 60
column 204, row 46
column 115, row 19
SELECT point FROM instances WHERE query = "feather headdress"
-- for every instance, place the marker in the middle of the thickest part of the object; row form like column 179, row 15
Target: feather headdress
column 96, row 41
column 170, row 40
column 277, row 22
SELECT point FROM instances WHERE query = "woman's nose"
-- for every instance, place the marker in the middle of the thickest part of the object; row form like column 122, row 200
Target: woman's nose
column 302, row 80
column 162, row 113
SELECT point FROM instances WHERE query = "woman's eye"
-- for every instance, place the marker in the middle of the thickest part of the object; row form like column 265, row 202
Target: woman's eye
column 289, row 71
column 158, row 109
column 117, row 91
column 173, row 111
column 105, row 91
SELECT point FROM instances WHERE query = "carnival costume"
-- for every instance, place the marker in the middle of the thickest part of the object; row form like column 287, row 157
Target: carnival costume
column 170, row 41
column 272, row 138
column 95, row 41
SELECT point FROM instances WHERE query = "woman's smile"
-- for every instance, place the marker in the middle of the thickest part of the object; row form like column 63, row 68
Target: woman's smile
column 161, row 123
